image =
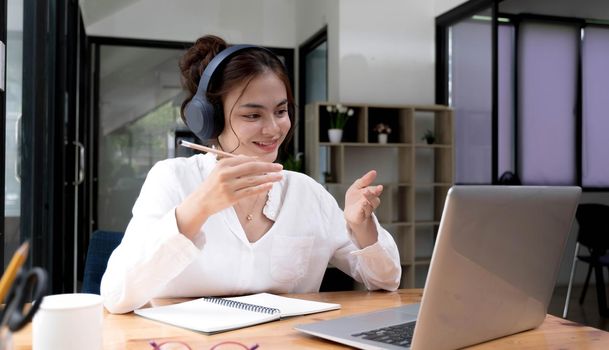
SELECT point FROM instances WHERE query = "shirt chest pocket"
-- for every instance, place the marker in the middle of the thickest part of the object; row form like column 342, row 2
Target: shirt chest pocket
column 290, row 258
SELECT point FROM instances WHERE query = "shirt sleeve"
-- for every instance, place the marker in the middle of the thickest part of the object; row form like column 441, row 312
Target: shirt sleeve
column 153, row 251
column 376, row 266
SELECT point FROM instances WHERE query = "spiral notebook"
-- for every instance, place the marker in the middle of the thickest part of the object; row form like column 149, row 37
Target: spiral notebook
column 212, row 315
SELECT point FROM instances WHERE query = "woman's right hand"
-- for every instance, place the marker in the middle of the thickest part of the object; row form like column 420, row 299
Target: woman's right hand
column 231, row 180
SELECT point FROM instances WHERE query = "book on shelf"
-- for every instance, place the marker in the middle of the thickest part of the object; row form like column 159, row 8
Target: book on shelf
column 212, row 314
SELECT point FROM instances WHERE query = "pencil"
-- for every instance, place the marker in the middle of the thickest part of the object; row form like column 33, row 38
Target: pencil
column 205, row 149
column 11, row 271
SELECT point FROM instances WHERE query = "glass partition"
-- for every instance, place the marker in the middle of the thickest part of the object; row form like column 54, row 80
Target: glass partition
column 470, row 86
column 547, row 83
column 139, row 101
column 548, row 59
column 14, row 103
column 595, row 124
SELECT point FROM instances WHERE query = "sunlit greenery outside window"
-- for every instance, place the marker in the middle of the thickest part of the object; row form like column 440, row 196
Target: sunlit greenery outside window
column 129, row 152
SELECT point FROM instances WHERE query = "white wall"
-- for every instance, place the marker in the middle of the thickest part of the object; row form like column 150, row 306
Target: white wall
column 262, row 22
column 386, row 51
column 442, row 6
column 312, row 16
column 380, row 52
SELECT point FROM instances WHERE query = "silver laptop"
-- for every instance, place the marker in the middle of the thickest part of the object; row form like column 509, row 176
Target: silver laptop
column 492, row 273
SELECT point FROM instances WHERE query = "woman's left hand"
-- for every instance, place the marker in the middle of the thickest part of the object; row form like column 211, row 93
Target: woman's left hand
column 361, row 200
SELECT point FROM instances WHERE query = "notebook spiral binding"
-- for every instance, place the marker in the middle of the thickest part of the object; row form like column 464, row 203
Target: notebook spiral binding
column 242, row 306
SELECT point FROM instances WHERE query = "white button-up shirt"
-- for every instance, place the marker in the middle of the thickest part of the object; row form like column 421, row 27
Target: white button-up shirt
column 309, row 231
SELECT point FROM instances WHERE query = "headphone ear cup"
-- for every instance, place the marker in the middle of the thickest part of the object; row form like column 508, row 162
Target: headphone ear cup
column 200, row 117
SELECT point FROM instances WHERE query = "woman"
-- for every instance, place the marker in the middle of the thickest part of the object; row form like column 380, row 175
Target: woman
column 238, row 225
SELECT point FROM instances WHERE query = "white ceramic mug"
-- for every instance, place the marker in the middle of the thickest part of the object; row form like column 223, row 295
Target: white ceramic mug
column 6, row 339
column 69, row 322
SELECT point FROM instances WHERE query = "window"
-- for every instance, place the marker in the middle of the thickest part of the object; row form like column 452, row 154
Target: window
column 595, row 124
column 547, row 83
column 529, row 94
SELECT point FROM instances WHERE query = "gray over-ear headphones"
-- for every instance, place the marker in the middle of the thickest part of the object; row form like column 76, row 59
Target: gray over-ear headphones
column 199, row 112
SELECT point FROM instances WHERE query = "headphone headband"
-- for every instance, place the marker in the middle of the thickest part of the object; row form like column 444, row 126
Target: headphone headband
column 209, row 71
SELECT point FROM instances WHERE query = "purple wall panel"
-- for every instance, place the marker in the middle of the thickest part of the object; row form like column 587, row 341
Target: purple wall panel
column 506, row 99
column 595, row 103
column 547, row 59
column 470, row 96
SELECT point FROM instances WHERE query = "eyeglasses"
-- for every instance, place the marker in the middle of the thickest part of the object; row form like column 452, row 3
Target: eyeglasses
column 180, row 345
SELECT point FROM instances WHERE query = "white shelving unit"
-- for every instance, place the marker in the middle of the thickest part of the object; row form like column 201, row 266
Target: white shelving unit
column 416, row 175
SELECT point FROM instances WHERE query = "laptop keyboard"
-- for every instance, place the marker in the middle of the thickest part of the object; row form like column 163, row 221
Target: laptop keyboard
column 398, row 335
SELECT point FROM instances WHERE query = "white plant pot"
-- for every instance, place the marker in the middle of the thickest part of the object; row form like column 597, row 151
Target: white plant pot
column 335, row 135
column 382, row 138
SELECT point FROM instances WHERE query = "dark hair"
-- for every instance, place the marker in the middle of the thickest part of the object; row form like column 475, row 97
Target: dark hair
column 242, row 66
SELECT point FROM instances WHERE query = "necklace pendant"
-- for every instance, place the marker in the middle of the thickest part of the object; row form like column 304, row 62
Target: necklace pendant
column 249, row 217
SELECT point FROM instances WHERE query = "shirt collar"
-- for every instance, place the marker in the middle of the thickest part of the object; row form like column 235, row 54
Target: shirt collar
column 274, row 199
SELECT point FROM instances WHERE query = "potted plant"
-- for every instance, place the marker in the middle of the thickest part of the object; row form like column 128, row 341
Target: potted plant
column 293, row 162
column 383, row 130
column 328, row 177
column 339, row 115
column 429, row 137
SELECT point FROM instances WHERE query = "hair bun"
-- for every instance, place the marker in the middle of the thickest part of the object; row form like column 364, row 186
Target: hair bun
column 197, row 57
column 207, row 48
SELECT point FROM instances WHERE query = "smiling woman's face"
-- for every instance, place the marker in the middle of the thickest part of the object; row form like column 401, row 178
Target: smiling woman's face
column 256, row 118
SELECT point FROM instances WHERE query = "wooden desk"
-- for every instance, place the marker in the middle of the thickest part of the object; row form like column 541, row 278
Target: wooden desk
column 133, row 332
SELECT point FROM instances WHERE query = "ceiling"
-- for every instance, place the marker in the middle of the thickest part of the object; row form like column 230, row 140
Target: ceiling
column 96, row 10
column 587, row 9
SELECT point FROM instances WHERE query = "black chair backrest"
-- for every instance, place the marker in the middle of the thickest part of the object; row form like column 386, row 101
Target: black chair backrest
column 593, row 221
column 509, row 178
column 101, row 246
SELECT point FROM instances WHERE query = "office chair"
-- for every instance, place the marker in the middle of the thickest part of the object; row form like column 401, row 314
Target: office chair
column 593, row 221
column 101, row 246
column 509, row 178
